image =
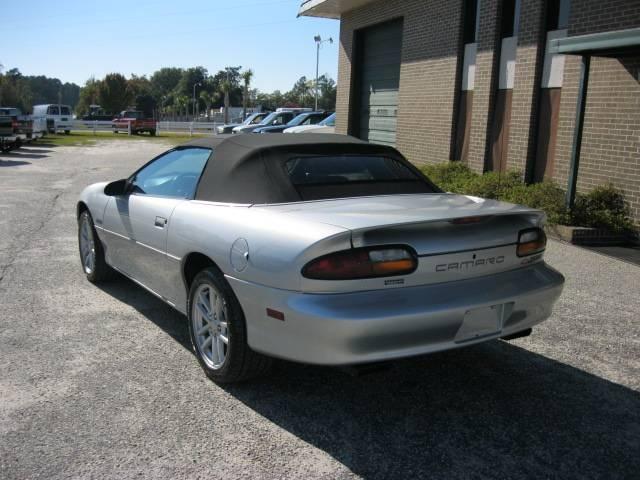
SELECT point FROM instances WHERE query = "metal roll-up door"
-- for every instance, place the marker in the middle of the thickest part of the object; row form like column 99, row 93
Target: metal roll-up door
column 379, row 82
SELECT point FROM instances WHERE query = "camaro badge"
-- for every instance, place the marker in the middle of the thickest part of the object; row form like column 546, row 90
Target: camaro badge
column 469, row 264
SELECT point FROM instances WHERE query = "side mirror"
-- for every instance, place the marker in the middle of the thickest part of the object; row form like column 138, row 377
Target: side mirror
column 119, row 187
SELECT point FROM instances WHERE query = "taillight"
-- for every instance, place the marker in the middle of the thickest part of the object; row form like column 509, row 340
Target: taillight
column 531, row 241
column 359, row 263
column 14, row 124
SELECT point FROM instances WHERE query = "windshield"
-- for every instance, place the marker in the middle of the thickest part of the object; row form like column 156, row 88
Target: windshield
column 270, row 118
column 298, row 120
column 330, row 121
column 254, row 119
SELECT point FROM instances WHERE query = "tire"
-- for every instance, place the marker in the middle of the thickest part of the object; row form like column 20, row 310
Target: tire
column 152, row 133
column 217, row 320
column 67, row 132
column 97, row 269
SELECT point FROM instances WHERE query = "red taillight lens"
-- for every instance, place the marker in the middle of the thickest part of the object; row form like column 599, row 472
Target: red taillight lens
column 362, row 263
column 14, row 124
column 531, row 241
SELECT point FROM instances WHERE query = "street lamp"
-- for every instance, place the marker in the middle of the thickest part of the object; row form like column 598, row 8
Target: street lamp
column 197, row 84
column 319, row 41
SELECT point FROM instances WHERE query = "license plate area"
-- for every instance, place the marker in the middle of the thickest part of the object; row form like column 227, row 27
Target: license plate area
column 481, row 322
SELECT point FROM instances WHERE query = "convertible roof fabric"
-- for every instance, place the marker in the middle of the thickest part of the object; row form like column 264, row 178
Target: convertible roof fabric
column 250, row 168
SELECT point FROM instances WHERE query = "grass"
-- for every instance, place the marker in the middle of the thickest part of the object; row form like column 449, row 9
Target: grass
column 89, row 138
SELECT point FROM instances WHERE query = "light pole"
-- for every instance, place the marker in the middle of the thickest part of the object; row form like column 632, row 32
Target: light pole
column 319, row 41
column 197, row 84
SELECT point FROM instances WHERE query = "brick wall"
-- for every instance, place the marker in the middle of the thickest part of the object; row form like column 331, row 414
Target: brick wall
column 529, row 58
column 430, row 48
column 430, row 72
column 611, row 136
column 485, row 83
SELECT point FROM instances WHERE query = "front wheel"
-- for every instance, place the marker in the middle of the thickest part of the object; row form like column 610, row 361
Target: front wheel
column 67, row 132
column 91, row 252
column 152, row 133
column 218, row 331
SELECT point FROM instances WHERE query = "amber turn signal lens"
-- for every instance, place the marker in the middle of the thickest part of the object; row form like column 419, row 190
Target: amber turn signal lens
column 531, row 241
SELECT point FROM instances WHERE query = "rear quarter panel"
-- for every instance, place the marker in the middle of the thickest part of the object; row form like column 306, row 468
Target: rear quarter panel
column 278, row 245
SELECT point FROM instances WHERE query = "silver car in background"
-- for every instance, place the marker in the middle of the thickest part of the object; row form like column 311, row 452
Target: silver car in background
column 316, row 248
column 253, row 119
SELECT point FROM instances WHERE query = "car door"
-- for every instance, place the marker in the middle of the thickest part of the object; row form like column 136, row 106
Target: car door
column 138, row 222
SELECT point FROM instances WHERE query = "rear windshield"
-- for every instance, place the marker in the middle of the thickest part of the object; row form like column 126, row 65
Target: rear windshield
column 65, row 111
column 352, row 175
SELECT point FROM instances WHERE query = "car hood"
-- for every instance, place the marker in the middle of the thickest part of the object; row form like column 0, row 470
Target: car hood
column 383, row 210
column 310, row 129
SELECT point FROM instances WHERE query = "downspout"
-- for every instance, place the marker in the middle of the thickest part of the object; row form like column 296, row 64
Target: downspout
column 574, row 161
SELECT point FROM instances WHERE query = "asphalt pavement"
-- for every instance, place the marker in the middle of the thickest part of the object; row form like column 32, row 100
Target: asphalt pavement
column 99, row 381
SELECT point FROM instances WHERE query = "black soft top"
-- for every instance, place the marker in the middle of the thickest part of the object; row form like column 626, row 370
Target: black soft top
column 250, row 168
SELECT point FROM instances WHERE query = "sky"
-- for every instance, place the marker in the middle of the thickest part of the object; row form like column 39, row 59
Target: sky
column 76, row 39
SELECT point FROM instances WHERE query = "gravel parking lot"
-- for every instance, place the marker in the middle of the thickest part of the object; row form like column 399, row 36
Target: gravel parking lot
column 99, row 382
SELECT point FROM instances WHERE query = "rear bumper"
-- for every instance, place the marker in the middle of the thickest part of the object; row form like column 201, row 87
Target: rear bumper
column 361, row 327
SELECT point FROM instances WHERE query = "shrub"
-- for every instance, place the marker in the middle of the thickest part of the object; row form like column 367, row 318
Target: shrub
column 493, row 184
column 450, row 176
column 603, row 207
column 545, row 196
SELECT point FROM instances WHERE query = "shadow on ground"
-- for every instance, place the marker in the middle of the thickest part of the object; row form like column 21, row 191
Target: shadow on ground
column 493, row 410
column 4, row 162
column 24, row 152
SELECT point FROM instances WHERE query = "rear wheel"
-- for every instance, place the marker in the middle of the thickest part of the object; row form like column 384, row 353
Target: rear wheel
column 91, row 252
column 67, row 132
column 218, row 331
column 152, row 133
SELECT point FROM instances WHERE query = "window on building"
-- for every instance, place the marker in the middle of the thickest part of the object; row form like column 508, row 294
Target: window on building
column 558, row 14
column 510, row 18
column 471, row 20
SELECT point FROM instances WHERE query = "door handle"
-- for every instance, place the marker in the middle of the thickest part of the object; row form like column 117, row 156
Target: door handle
column 160, row 222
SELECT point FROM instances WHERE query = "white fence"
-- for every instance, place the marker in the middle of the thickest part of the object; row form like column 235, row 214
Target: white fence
column 174, row 127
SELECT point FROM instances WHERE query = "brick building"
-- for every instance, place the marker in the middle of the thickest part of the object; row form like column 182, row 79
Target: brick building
column 547, row 87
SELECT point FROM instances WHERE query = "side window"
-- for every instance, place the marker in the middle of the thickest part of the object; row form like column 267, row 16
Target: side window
column 64, row 111
column 175, row 174
column 53, row 110
column 315, row 119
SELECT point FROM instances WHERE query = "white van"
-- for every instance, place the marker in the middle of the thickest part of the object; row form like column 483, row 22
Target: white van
column 60, row 114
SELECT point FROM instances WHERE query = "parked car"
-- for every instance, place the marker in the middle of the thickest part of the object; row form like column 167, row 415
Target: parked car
column 253, row 119
column 328, row 125
column 22, row 125
column 8, row 139
column 58, row 117
column 137, row 120
column 281, row 116
column 320, row 249
column 307, row 118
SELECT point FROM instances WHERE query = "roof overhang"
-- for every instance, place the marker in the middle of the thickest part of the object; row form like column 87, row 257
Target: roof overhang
column 329, row 8
column 618, row 42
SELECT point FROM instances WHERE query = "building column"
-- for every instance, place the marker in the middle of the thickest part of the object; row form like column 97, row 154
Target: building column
column 485, row 83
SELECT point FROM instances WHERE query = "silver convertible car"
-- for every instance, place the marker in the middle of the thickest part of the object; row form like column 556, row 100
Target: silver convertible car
column 316, row 248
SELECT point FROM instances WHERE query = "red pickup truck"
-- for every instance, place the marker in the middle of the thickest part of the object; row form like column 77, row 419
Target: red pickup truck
column 137, row 121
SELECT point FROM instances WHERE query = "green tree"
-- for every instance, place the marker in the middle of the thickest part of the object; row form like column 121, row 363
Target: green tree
column 247, row 75
column 88, row 96
column 225, row 88
column 113, row 94
column 165, row 80
column 208, row 98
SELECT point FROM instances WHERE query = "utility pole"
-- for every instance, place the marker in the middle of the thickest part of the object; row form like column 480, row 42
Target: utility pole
column 319, row 41
column 197, row 84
